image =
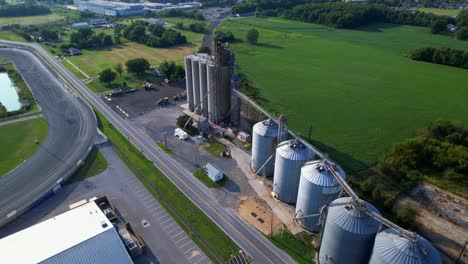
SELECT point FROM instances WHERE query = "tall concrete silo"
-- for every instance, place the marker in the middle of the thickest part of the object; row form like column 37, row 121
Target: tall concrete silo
column 203, row 86
column 264, row 141
column 317, row 188
column 188, row 81
column 349, row 233
column 223, row 93
column 195, row 81
column 290, row 156
column 392, row 248
column 211, row 88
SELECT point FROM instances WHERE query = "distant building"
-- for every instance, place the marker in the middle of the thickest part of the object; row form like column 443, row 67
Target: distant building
column 72, row 52
column 98, row 21
column 81, row 235
column 213, row 173
column 451, row 27
column 110, row 8
column 156, row 21
column 80, row 25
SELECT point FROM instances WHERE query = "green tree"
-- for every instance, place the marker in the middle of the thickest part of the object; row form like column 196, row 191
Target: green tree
column 119, row 68
column 179, row 25
column 204, row 49
column 137, row 33
column 107, row 40
column 86, row 33
column 48, row 34
column 117, row 40
column 462, row 33
column 438, row 26
column 107, row 76
column 137, row 66
column 252, row 36
column 406, row 215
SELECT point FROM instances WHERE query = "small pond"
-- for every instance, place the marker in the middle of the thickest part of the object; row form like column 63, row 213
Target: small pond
column 8, row 94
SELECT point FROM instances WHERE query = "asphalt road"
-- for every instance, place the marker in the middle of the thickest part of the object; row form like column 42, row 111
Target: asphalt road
column 246, row 236
column 71, row 133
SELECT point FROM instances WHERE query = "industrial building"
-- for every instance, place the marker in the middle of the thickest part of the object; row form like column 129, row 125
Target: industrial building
column 81, row 235
column 110, row 8
column 208, row 82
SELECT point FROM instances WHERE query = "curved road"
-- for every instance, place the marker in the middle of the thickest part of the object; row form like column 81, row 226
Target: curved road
column 72, row 129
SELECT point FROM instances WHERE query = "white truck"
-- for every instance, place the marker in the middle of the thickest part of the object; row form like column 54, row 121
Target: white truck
column 181, row 134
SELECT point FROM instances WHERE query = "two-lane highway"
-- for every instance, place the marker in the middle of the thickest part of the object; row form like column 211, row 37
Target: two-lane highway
column 70, row 136
column 247, row 237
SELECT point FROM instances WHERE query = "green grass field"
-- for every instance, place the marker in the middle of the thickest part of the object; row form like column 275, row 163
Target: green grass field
column 355, row 89
column 94, row 164
column 440, row 11
column 17, row 142
column 31, row 20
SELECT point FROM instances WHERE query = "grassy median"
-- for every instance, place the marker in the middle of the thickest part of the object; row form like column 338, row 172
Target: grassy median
column 94, row 164
column 204, row 232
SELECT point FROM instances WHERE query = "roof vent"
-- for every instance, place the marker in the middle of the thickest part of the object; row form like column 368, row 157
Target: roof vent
column 104, row 224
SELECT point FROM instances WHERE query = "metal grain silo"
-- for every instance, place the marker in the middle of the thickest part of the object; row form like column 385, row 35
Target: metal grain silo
column 195, row 82
column 203, row 87
column 290, row 156
column 211, row 78
column 317, row 188
column 188, row 80
column 392, row 248
column 349, row 233
column 264, row 140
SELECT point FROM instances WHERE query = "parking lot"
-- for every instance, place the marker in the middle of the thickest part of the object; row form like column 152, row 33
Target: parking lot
column 160, row 126
column 166, row 241
column 141, row 101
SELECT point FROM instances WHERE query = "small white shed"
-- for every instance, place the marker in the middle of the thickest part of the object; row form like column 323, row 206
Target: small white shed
column 213, row 173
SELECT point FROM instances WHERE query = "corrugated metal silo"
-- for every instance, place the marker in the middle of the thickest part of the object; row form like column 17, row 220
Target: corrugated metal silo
column 264, row 140
column 188, row 80
column 392, row 248
column 203, row 87
column 290, row 156
column 211, row 92
column 317, row 188
column 195, row 82
column 349, row 233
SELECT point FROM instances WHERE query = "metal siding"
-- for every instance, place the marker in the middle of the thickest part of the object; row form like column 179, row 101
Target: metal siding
column 391, row 248
column 288, row 163
column 265, row 135
column 211, row 92
column 316, row 189
column 195, row 82
column 188, row 81
column 203, row 88
column 223, row 93
column 348, row 236
column 105, row 248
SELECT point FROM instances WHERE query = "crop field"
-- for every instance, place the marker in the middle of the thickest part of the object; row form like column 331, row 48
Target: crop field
column 17, row 142
column 355, row 91
column 440, row 11
column 31, row 20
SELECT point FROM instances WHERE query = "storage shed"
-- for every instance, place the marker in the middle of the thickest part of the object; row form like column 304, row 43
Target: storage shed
column 213, row 173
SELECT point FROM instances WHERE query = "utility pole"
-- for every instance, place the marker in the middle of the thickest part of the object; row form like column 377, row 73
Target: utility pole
column 165, row 138
column 461, row 252
column 271, row 224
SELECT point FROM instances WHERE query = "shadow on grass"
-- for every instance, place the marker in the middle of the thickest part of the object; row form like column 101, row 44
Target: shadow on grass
column 270, row 46
column 377, row 27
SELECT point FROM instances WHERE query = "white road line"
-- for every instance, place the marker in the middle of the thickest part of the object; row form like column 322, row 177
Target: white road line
column 154, row 204
column 147, row 202
column 164, row 228
column 186, row 244
column 159, row 213
column 199, row 255
column 184, row 237
column 162, row 217
column 187, row 251
column 181, row 231
column 199, row 260
column 165, row 221
column 139, row 191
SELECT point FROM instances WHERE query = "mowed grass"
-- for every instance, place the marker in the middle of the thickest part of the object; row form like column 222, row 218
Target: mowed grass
column 6, row 35
column 17, row 142
column 440, row 11
column 94, row 61
column 30, row 20
column 355, row 89
column 94, row 164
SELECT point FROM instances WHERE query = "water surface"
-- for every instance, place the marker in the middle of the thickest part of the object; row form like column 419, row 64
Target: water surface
column 8, row 94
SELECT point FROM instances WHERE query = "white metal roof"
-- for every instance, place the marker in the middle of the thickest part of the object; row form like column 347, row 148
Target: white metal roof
column 60, row 234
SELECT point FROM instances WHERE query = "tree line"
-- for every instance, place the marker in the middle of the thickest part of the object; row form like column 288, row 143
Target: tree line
column 23, row 10
column 87, row 38
column 440, row 149
column 445, row 56
column 193, row 14
column 151, row 35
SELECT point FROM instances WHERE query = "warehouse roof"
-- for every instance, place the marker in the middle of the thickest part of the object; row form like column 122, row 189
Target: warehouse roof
column 81, row 235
